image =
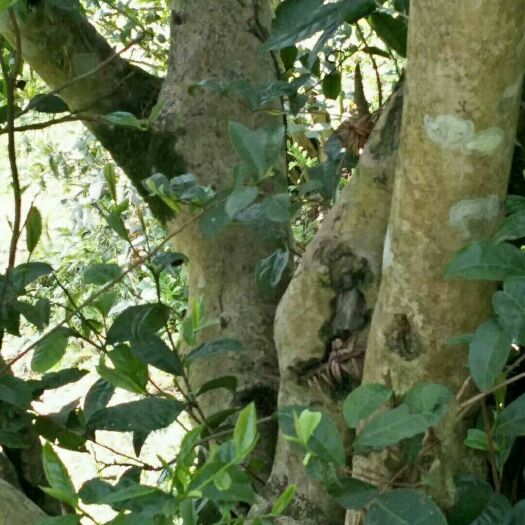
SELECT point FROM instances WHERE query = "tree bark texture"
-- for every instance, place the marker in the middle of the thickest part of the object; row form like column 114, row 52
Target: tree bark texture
column 331, row 297
column 464, row 78
column 17, row 509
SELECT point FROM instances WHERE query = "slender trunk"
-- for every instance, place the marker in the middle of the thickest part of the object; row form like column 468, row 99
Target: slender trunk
column 464, row 77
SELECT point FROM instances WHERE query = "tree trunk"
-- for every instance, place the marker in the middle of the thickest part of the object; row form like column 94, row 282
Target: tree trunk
column 218, row 40
column 464, row 76
column 15, row 508
column 330, row 298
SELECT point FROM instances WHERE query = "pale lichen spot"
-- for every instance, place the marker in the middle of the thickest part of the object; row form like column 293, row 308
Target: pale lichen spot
column 463, row 213
column 449, row 131
column 387, row 249
column 512, row 90
column 452, row 132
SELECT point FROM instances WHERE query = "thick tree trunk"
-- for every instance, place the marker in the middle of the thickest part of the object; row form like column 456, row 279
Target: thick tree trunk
column 464, row 77
column 218, row 40
column 330, row 298
column 17, row 509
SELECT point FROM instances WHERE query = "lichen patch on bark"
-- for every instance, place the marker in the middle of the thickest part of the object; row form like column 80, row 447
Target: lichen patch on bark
column 468, row 211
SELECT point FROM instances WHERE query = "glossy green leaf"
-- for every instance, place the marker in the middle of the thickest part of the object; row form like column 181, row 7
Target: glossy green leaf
column 101, row 273
column 332, row 85
column 245, row 431
column 137, row 322
column 15, row 391
column 363, row 401
column 353, row 493
column 47, row 103
column 98, row 397
column 240, row 488
column 478, row 439
column 515, row 515
column 515, row 203
column 297, row 20
column 404, row 507
column 222, row 480
column 213, row 348
column 53, row 380
column 125, row 119
column 26, row 273
column 277, row 207
column 259, row 148
column 37, row 314
column 392, row 31
column 55, row 432
column 240, row 198
column 391, row 427
column 306, row 423
column 50, row 350
column 488, row 354
column 213, row 221
column 33, row 228
column 128, row 372
column 476, row 503
column 228, row 382
column 270, row 270
column 509, row 306
column 511, row 420
column 144, row 415
column 428, row 398
column 282, row 502
column 512, row 227
column 58, row 476
column 484, row 260
column 155, row 352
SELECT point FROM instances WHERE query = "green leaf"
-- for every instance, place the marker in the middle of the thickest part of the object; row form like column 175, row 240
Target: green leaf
column 515, row 203
column 476, row 503
column 515, row 516
column 37, row 314
column 428, row 398
column 128, row 373
column 404, row 507
column 137, row 322
column 509, row 306
column 213, row 221
column 33, row 228
column 245, row 431
column 353, row 493
column 98, row 397
column 111, row 179
column 512, row 227
column 484, row 260
column 306, row 423
column 392, row 31
column 259, row 148
column 145, row 415
column 50, row 350
column 364, row 401
column 213, row 348
column 26, row 273
column 270, row 270
column 57, row 476
column 488, row 354
column 332, row 85
column 47, row 103
column 297, row 20
column 222, row 480
column 228, row 382
column 239, row 490
column 69, row 519
column 282, row 502
column 403, row 6
column 325, row 442
column 240, row 198
column 390, row 427
column 53, row 380
column 123, row 118
column 478, row 440
column 101, row 273
column 15, row 391
column 55, row 432
column 511, row 420
column 277, row 207
column 155, row 352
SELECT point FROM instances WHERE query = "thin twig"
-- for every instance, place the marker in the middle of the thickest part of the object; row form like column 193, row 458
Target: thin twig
column 374, row 65
column 490, row 442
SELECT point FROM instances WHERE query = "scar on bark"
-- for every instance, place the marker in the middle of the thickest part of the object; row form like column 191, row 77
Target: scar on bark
column 402, row 339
